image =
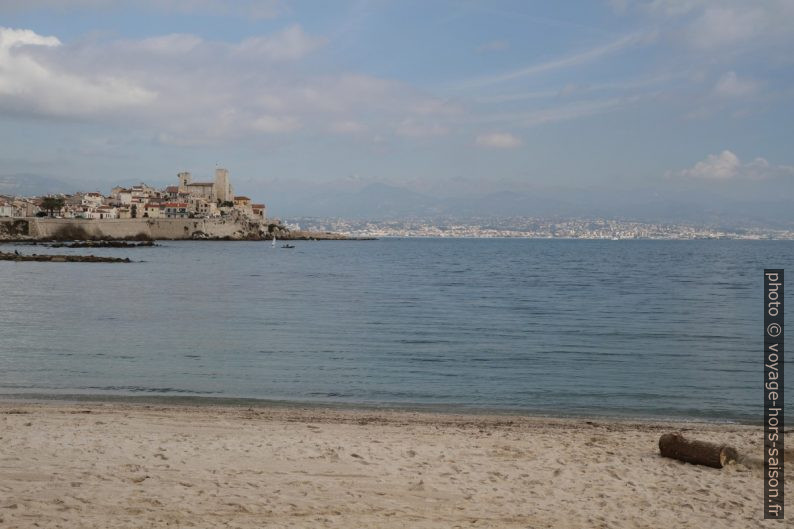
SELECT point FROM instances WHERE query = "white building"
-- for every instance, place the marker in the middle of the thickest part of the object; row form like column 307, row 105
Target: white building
column 105, row 212
column 175, row 210
column 6, row 209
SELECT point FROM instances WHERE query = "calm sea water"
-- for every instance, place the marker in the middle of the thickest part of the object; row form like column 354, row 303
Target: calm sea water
column 668, row 329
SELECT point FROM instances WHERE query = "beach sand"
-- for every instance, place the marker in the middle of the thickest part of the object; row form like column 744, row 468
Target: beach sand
column 131, row 465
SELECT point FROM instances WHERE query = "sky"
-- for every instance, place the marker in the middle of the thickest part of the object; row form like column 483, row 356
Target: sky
column 630, row 101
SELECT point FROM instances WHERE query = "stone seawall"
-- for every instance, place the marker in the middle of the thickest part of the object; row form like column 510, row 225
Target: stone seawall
column 140, row 229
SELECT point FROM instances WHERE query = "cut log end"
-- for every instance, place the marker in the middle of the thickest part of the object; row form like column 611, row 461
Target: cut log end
column 676, row 446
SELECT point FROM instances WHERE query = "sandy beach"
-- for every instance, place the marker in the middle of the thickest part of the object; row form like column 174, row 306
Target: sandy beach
column 117, row 465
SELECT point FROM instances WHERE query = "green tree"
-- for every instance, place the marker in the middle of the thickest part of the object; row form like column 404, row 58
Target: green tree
column 51, row 204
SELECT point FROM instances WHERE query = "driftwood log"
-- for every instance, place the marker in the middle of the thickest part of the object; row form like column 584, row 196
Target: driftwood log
column 676, row 446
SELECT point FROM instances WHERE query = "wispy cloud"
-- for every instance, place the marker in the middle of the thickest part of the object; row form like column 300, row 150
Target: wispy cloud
column 565, row 112
column 618, row 86
column 289, row 44
column 731, row 85
column 568, row 61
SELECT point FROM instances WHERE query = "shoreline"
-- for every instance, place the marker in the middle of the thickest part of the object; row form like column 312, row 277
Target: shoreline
column 233, row 403
column 301, row 411
column 121, row 465
column 48, row 229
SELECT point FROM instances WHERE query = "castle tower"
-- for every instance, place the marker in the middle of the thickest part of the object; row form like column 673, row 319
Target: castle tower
column 223, row 191
column 184, row 181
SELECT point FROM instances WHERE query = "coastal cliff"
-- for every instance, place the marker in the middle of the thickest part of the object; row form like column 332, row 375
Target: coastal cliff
column 49, row 229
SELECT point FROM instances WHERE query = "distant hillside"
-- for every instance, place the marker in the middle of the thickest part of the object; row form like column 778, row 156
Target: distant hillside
column 373, row 201
column 381, row 201
column 22, row 184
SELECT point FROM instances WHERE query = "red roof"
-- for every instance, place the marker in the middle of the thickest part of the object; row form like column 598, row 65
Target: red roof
column 172, row 189
column 174, row 205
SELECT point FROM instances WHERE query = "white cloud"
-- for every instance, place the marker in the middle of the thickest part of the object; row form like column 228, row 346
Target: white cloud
column 184, row 90
column 29, row 84
column 723, row 166
column 710, row 25
column 276, row 124
column 726, row 166
column 731, row 85
column 289, row 44
column 14, row 38
column 498, row 140
column 718, row 27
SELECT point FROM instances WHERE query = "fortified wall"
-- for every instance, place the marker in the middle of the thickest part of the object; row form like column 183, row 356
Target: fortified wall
column 142, row 229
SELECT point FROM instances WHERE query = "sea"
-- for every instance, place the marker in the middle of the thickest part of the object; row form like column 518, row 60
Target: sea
column 627, row 329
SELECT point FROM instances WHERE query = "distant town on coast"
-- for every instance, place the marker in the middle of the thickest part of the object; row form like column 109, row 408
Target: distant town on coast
column 216, row 203
column 595, row 228
column 188, row 199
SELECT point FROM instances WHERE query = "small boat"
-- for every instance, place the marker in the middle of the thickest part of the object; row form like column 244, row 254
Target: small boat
column 273, row 244
column 287, row 246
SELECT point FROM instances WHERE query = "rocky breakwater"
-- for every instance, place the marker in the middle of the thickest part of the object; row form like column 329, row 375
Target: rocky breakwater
column 16, row 256
column 15, row 230
column 104, row 244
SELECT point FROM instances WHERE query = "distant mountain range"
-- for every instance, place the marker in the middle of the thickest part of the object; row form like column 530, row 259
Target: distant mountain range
column 381, row 201
column 752, row 204
column 22, row 184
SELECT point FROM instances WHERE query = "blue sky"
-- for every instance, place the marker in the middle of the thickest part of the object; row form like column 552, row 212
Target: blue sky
column 441, row 97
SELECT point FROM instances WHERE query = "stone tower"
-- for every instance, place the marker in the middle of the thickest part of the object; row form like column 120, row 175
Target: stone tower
column 223, row 190
column 184, row 181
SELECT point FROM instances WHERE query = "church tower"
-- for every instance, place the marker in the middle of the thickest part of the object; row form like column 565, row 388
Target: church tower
column 184, row 181
column 223, row 191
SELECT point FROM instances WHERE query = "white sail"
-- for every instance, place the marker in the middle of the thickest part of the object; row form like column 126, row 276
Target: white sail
column 273, row 244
